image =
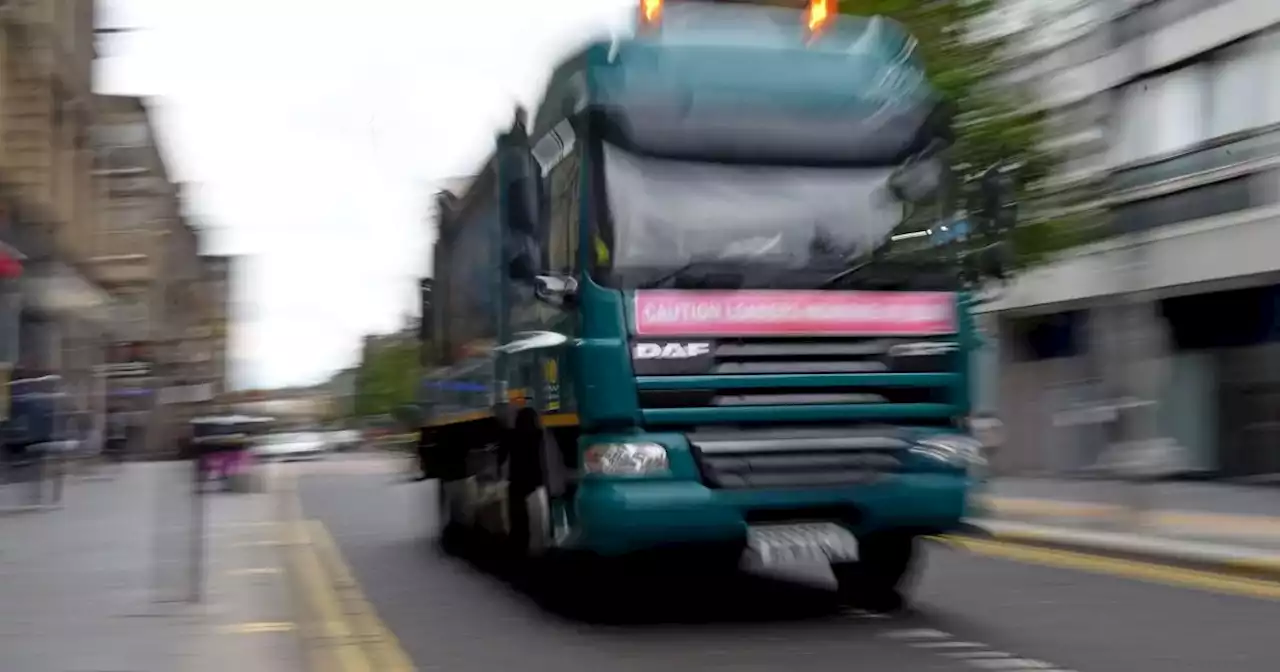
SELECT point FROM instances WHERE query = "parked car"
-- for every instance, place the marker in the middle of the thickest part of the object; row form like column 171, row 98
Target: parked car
column 292, row 446
column 344, row 439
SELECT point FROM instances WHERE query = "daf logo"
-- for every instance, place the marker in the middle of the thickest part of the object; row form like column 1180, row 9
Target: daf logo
column 926, row 349
column 670, row 350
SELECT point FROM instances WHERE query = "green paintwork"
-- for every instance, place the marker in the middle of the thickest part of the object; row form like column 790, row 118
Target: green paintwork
column 595, row 378
column 617, row 517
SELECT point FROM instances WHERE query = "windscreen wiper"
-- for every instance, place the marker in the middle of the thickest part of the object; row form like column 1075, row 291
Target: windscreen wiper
column 848, row 273
column 901, row 271
column 703, row 267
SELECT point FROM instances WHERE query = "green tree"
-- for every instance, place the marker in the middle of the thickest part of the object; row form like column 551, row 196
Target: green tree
column 387, row 378
column 993, row 123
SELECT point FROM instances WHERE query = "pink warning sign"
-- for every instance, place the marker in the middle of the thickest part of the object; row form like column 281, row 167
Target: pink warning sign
column 793, row 313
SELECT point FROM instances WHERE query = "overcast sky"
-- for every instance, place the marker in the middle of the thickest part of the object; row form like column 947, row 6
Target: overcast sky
column 315, row 132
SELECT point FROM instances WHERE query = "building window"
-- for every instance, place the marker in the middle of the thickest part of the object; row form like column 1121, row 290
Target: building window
column 1163, row 114
column 1148, row 17
column 1179, row 98
column 1219, row 198
column 1236, row 101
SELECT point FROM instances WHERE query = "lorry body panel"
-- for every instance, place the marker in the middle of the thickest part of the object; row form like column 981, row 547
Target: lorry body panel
column 774, row 369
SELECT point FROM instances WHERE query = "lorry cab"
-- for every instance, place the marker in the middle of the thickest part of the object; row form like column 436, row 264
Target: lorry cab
column 687, row 308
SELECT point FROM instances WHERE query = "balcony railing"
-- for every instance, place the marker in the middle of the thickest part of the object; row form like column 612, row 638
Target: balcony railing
column 1223, row 175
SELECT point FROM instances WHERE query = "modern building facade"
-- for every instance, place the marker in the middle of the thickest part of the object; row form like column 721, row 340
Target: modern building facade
column 1177, row 303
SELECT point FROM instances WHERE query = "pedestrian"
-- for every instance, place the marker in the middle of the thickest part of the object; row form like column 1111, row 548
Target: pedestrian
column 32, row 431
column 91, row 446
column 117, row 437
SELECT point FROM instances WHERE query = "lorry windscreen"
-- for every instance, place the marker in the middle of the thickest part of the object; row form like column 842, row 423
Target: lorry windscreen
column 760, row 224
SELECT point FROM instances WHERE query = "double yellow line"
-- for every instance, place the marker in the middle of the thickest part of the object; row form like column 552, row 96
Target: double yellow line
column 339, row 628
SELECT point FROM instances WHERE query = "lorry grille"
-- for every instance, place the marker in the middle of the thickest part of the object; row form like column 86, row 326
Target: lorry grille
column 725, row 398
column 744, row 372
column 754, row 356
column 796, row 458
column 829, row 355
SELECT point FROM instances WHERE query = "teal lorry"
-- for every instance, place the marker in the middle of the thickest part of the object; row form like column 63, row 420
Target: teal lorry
column 708, row 306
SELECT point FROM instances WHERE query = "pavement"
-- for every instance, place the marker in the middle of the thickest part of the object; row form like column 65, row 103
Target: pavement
column 1230, row 527
column 336, row 569
column 980, row 603
column 101, row 583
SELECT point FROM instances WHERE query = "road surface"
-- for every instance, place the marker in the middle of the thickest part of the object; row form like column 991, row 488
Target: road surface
column 993, row 608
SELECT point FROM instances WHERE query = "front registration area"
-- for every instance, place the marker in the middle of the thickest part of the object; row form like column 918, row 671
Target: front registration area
column 620, row 516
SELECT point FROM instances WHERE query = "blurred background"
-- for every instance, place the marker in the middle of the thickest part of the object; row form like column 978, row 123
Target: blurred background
column 1146, row 126
column 214, row 208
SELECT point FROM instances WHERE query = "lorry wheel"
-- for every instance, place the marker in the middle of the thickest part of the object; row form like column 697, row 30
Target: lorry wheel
column 528, row 505
column 451, row 534
column 877, row 581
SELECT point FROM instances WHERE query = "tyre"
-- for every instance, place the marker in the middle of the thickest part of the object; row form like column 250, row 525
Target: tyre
column 528, row 502
column 451, row 534
column 879, row 579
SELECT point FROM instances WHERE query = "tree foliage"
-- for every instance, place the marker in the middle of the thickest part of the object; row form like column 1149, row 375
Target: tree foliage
column 994, row 123
column 387, row 377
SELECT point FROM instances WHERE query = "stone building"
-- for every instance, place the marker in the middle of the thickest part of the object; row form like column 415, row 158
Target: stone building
column 56, row 317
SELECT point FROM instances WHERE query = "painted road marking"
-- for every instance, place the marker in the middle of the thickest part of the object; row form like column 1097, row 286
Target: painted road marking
column 978, row 654
column 1129, row 569
column 381, row 644
column 917, row 634
column 351, row 636
column 983, row 657
column 1012, row 664
column 258, row 543
column 252, row 628
column 254, row 571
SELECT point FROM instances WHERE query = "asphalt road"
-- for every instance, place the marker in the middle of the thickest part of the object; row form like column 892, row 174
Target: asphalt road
column 971, row 611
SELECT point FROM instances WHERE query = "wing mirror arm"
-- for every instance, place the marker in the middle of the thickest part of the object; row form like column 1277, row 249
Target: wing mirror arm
column 557, row 290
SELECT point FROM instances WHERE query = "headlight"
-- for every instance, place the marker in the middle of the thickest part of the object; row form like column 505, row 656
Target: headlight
column 626, row 459
column 958, row 451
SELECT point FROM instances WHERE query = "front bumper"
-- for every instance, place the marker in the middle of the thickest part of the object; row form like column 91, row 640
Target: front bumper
column 616, row 517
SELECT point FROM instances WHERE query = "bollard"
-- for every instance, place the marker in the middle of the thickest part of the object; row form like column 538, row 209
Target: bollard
column 196, row 568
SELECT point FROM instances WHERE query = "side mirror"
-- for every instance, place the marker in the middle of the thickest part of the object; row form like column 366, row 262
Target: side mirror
column 523, row 204
column 921, row 177
column 557, row 290
column 521, row 177
column 996, row 260
column 991, row 262
column 520, row 266
column 997, row 200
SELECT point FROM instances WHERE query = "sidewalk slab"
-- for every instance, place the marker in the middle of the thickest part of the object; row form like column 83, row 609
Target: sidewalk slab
column 98, row 584
column 1204, row 497
column 1245, row 530
column 1166, row 550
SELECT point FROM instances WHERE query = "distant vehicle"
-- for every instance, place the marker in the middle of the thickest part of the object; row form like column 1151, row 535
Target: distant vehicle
column 223, row 444
column 344, row 439
column 292, row 446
